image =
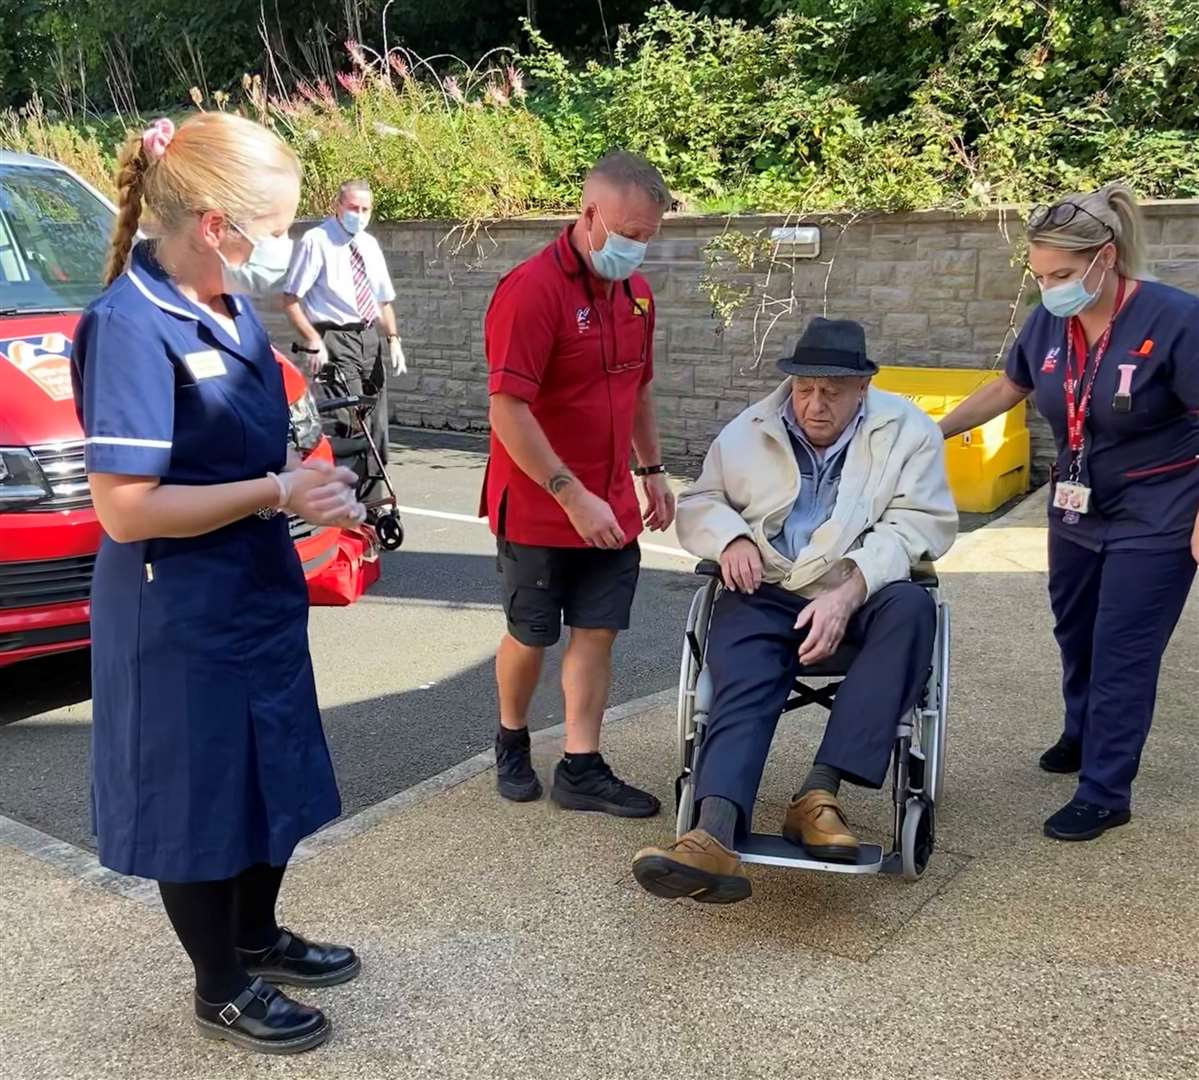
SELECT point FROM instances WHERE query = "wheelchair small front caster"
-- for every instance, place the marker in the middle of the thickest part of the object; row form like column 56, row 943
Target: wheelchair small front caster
column 390, row 530
column 916, row 845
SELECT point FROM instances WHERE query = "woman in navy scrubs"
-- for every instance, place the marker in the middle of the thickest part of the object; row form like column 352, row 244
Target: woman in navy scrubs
column 1112, row 360
column 210, row 762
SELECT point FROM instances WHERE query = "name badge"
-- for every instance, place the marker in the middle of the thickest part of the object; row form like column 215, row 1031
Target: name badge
column 1075, row 499
column 206, row 364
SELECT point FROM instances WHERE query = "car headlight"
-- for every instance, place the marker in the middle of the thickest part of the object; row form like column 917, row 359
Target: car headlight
column 305, row 423
column 22, row 482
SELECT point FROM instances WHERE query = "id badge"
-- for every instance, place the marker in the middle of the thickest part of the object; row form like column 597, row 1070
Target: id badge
column 1074, row 498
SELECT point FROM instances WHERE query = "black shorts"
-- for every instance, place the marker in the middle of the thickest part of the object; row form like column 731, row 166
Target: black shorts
column 587, row 588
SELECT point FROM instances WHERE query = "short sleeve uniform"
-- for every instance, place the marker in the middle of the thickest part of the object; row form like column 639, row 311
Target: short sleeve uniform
column 580, row 358
column 1143, row 465
column 208, row 751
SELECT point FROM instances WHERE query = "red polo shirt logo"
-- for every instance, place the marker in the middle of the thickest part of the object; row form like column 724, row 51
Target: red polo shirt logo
column 579, row 358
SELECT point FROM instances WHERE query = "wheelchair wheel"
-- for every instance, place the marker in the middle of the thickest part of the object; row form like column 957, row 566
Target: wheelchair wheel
column 916, row 844
column 390, row 530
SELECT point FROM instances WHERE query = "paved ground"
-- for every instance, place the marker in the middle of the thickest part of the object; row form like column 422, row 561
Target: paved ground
column 510, row 942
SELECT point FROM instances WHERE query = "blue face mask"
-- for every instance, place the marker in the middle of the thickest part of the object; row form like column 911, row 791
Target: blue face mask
column 1072, row 298
column 619, row 257
column 262, row 271
column 353, row 222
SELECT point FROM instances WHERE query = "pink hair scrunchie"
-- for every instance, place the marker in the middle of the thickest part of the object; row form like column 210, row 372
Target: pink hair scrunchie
column 157, row 137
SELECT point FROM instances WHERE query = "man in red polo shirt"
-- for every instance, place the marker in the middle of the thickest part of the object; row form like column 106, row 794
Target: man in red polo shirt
column 569, row 338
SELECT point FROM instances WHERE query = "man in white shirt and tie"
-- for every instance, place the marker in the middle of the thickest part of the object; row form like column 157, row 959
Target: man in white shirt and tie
column 338, row 293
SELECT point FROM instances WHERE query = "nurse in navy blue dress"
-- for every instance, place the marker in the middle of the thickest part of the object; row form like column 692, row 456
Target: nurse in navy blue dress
column 1112, row 360
column 210, row 763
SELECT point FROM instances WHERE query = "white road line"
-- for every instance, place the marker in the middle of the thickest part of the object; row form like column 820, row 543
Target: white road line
column 470, row 519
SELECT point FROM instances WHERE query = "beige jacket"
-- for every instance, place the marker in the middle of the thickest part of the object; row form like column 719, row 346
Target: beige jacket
column 893, row 508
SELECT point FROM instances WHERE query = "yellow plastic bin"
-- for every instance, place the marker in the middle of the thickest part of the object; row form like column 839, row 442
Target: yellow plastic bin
column 989, row 464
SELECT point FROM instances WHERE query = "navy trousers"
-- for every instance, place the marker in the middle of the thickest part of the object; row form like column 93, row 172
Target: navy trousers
column 1115, row 613
column 753, row 657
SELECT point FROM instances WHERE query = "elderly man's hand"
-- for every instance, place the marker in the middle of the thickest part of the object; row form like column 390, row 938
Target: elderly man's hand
column 828, row 615
column 741, row 566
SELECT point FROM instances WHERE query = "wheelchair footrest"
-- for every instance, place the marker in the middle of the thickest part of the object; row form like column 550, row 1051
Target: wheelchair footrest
column 771, row 850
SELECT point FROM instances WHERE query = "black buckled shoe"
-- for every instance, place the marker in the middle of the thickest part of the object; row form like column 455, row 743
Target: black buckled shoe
column 514, row 775
column 598, row 788
column 292, row 961
column 1064, row 756
column 1079, row 820
column 264, row 1019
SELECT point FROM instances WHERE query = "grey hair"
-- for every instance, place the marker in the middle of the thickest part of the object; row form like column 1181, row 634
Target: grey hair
column 353, row 185
column 1113, row 207
column 623, row 169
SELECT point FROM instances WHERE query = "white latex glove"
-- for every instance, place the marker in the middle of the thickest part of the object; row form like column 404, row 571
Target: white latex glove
column 316, row 360
column 319, row 493
column 399, row 365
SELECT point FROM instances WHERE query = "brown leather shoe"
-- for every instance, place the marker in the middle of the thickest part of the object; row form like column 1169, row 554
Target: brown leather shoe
column 695, row 865
column 816, row 822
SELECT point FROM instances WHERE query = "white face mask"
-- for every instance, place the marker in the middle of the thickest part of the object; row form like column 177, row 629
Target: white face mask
column 264, row 268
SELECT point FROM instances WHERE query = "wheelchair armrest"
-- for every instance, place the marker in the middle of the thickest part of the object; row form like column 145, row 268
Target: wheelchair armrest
column 708, row 568
column 925, row 573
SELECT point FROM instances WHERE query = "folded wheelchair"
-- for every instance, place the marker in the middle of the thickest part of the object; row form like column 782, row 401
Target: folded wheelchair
column 917, row 762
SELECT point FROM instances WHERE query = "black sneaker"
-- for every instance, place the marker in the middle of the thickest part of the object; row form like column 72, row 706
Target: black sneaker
column 1064, row 756
column 1079, row 820
column 514, row 775
column 598, row 788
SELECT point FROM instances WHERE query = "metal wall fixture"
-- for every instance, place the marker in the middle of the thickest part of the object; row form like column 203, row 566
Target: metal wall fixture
column 796, row 241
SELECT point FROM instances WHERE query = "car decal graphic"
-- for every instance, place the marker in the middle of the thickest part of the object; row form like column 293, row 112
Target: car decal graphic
column 46, row 359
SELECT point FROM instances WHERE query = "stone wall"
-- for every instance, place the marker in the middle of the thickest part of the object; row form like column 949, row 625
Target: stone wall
column 931, row 289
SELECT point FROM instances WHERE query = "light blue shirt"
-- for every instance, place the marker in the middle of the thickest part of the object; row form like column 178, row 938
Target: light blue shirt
column 322, row 276
column 820, row 477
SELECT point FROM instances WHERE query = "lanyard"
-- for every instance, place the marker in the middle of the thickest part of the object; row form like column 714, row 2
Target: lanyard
column 1076, row 407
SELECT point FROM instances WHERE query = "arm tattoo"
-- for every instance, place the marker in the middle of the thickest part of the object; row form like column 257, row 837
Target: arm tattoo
column 559, row 481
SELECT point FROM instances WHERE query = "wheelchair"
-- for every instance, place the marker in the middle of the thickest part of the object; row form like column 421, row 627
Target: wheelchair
column 917, row 761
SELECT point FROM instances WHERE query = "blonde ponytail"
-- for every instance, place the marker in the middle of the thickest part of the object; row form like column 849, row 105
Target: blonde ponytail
column 1130, row 231
column 1110, row 215
column 131, row 185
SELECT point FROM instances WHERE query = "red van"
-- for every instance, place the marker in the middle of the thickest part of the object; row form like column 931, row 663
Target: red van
column 54, row 232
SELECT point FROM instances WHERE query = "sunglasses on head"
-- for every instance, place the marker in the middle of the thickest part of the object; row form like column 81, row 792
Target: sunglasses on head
column 1063, row 213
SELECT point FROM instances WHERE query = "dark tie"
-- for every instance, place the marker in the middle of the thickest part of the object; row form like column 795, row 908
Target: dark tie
column 364, row 297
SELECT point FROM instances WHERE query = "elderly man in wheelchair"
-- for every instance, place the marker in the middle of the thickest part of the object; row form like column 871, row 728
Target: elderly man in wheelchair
column 818, row 503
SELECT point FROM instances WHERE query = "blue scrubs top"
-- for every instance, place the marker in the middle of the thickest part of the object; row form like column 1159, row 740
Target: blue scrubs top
column 208, row 750
column 1142, row 466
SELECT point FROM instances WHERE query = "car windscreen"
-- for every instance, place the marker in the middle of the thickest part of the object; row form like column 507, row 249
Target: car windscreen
column 53, row 240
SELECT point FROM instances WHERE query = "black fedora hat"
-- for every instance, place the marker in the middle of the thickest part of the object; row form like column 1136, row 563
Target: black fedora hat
column 829, row 349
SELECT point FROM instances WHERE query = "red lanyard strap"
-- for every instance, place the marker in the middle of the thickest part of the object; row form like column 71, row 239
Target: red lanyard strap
column 1076, row 344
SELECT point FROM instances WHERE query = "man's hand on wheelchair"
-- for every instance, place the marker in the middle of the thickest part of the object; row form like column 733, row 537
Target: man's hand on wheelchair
column 741, row 566
column 828, row 615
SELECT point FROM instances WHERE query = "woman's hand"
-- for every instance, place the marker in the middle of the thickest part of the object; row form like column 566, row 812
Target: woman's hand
column 320, row 493
column 1195, row 541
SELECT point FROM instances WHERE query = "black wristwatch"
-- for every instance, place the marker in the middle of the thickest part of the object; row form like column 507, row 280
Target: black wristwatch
column 649, row 470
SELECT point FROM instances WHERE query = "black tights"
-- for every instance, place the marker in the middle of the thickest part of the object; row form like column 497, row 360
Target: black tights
column 215, row 918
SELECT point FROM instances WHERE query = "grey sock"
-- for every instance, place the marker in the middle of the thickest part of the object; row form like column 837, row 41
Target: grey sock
column 718, row 818
column 821, row 778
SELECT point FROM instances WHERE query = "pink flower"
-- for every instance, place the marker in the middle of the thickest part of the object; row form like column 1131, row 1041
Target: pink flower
column 307, row 93
column 352, row 82
column 453, row 89
column 516, row 82
column 356, row 54
column 496, row 95
column 325, row 95
column 399, row 65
